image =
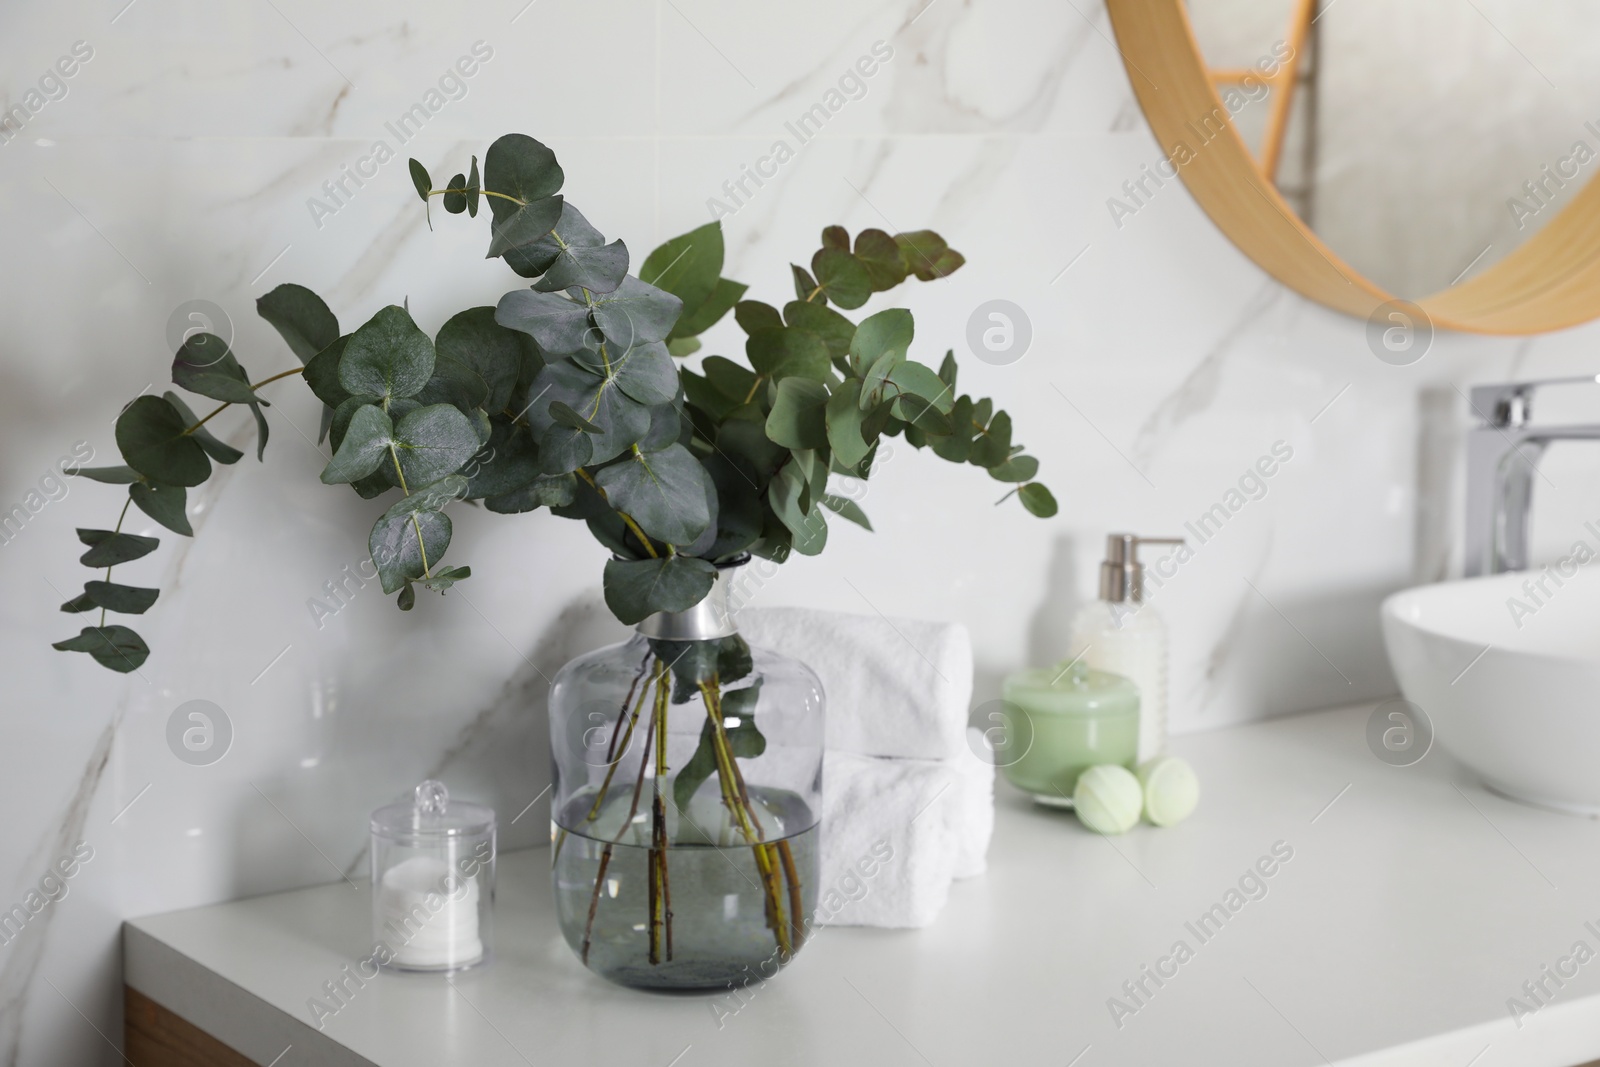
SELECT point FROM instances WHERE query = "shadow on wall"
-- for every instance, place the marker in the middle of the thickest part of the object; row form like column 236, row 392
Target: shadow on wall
column 1440, row 436
column 1049, row 630
column 1333, row 654
column 500, row 758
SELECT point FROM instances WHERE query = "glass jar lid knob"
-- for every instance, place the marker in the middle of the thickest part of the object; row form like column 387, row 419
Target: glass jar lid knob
column 432, row 797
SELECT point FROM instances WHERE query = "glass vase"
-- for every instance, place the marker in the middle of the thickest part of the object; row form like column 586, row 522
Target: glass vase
column 687, row 802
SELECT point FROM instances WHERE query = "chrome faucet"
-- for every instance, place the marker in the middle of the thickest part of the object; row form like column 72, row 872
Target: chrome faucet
column 1503, row 454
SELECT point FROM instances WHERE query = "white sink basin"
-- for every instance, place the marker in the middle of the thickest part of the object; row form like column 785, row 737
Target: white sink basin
column 1519, row 704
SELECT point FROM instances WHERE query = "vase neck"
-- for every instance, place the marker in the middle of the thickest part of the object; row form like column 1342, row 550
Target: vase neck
column 708, row 620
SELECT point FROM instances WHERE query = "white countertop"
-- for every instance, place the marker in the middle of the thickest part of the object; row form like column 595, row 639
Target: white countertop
column 1414, row 905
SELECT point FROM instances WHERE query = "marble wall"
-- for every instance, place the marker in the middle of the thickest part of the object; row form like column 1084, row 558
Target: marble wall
column 176, row 163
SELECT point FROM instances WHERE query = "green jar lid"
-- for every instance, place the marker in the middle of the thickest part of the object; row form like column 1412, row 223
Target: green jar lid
column 1071, row 690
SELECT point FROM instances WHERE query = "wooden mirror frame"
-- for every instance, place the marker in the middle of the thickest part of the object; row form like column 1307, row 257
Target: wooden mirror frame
column 1549, row 282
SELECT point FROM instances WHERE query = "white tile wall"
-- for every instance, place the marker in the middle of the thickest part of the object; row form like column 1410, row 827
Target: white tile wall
column 178, row 166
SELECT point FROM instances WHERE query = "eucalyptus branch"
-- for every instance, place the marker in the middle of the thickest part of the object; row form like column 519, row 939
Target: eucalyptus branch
column 126, row 504
column 219, row 409
column 485, row 192
column 627, row 520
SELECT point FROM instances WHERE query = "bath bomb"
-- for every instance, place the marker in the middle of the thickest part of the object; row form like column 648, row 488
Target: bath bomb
column 1171, row 789
column 1108, row 798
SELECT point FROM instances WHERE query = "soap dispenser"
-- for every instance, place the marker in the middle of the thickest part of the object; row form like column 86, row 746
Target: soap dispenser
column 1119, row 633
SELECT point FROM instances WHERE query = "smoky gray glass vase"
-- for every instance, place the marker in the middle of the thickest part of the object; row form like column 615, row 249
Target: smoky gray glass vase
column 687, row 802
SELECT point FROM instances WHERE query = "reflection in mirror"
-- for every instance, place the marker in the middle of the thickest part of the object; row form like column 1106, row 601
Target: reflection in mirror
column 1421, row 141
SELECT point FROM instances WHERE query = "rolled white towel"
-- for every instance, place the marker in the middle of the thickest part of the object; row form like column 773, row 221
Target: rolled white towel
column 896, row 832
column 895, row 687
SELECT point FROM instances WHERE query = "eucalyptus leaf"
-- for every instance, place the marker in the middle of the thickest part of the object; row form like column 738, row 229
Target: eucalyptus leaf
column 420, row 180
column 455, row 383
column 687, row 266
column 846, row 508
column 204, row 365
column 646, row 373
column 563, row 449
column 875, row 382
column 1018, row 468
column 599, row 270
column 920, row 415
column 956, row 447
column 734, row 660
column 747, row 445
column 126, row 599
column 635, row 589
column 842, row 276
column 994, row 447
column 364, row 447
column 920, row 381
column 435, row 497
column 844, row 425
column 473, row 187
column 753, row 315
column 394, row 546
column 559, row 325
column 322, row 374
column 888, row 331
column 836, row 331
column 565, row 416
column 636, row 313
column 154, row 441
column 163, row 503
column 744, row 741
column 696, row 320
column 494, row 352
column 692, row 663
column 212, row 446
column 786, row 494
column 576, row 254
column 107, row 548
column 926, row 255
column 739, row 508
column 340, row 422
column 432, row 442
column 301, row 319
column 805, row 286
column 455, row 197
column 389, row 356
column 373, row 485
column 120, row 475
column 598, row 400
column 1038, row 500
column 798, row 417
column 705, row 398
column 836, row 237
column 521, row 168
column 446, row 577
column 544, row 491
column 880, row 255
column 682, row 347
column 729, row 378
column 705, row 545
column 786, row 352
column 116, row 647
column 664, row 492
column 507, row 462
column 79, row 604
column 668, row 425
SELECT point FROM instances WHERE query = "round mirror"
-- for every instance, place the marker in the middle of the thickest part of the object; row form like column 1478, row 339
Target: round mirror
column 1372, row 154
